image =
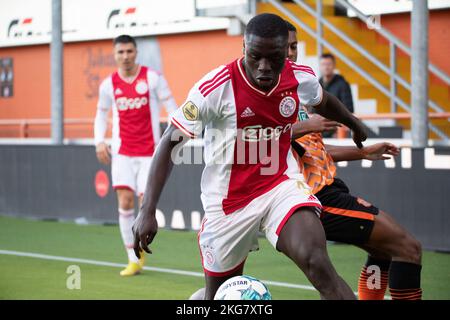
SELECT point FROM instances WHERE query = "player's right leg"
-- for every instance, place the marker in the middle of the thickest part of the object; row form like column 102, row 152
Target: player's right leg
column 123, row 178
column 214, row 282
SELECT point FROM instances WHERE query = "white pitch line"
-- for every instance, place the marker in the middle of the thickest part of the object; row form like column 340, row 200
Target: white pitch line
column 155, row 269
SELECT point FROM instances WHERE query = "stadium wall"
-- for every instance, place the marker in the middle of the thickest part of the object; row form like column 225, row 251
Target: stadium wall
column 439, row 34
column 183, row 59
column 67, row 183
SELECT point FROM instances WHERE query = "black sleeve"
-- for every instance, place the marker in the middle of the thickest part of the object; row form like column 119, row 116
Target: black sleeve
column 345, row 95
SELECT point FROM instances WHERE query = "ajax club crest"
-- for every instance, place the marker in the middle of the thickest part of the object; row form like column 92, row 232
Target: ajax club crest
column 141, row 87
column 287, row 106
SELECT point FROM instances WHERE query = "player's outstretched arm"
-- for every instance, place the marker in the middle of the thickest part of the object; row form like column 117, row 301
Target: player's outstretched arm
column 378, row 151
column 145, row 227
column 330, row 107
column 316, row 123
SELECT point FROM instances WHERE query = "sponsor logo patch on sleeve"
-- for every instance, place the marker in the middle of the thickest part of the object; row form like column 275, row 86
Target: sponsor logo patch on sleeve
column 190, row 111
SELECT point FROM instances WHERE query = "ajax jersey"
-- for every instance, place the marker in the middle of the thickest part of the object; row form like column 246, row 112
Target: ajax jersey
column 247, row 132
column 136, row 110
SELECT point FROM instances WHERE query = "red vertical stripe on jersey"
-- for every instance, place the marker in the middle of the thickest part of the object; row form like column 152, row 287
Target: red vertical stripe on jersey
column 133, row 106
column 247, row 180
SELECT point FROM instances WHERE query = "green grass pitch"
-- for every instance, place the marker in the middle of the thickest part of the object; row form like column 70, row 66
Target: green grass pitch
column 37, row 278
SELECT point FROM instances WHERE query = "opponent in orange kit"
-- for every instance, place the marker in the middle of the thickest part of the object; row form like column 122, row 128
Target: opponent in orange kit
column 350, row 219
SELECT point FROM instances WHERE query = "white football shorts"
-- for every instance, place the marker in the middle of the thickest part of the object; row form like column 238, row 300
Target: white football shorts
column 226, row 240
column 130, row 172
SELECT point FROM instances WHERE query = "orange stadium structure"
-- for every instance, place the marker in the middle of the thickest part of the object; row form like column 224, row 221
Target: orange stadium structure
column 184, row 57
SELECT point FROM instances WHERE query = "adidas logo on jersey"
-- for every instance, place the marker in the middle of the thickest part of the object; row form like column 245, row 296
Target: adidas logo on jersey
column 247, row 113
column 118, row 92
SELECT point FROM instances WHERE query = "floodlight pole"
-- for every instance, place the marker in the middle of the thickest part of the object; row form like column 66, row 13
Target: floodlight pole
column 56, row 81
column 419, row 73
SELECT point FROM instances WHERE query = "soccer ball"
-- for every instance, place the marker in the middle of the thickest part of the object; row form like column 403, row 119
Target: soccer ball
column 243, row 288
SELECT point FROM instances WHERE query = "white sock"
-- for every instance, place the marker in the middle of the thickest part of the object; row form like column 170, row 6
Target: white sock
column 126, row 220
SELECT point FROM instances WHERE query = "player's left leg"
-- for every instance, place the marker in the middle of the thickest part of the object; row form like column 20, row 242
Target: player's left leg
column 302, row 239
column 293, row 227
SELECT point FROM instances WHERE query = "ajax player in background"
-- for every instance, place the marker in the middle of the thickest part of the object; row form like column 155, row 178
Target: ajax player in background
column 391, row 249
column 248, row 104
column 134, row 93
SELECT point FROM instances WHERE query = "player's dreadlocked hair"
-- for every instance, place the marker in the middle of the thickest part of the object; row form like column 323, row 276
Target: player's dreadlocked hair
column 267, row 25
column 124, row 38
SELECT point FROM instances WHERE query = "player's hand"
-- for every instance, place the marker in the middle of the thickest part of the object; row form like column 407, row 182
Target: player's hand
column 144, row 229
column 379, row 151
column 359, row 135
column 317, row 123
column 103, row 153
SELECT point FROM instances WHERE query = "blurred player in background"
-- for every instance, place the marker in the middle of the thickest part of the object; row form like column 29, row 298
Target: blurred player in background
column 134, row 93
column 350, row 219
column 252, row 103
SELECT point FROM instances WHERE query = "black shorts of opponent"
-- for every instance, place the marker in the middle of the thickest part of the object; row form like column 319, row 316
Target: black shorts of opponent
column 345, row 218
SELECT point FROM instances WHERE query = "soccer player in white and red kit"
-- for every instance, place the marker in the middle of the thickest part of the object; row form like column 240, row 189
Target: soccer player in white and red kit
column 134, row 93
column 245, row 107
